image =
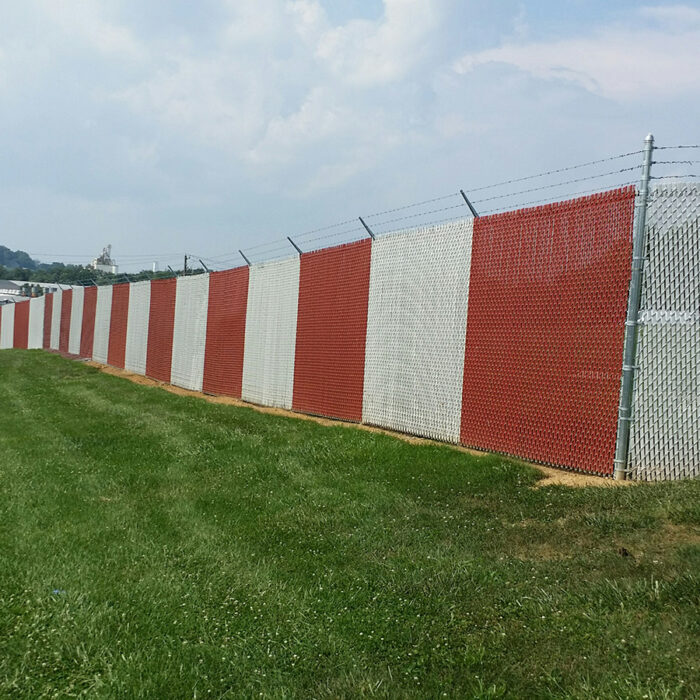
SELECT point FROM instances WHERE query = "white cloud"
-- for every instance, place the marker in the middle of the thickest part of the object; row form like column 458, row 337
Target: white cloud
column 315, row 121
column 128, row 99
column 618, row 62
column 209, row 100
column 675, row 17
column 274, row 98
column 87, row 22
column 309, row 18
column 367, row 53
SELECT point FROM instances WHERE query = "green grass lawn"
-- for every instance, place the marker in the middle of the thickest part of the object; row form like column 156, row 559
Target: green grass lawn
column 159, row 546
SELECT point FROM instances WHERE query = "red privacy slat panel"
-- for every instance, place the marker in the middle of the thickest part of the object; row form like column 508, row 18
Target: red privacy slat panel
column 117, row 325
column 329, row 362
column 161, row 320
column 21, row 334
column 64, row 333
column 48, row 313
column 223, row 357
column 545, row 327
column 87, row 333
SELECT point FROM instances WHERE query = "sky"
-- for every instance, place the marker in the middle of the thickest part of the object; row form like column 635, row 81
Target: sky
column 169, row 126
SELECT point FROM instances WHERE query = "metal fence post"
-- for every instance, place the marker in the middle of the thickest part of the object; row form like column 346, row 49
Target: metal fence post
column 632, row 323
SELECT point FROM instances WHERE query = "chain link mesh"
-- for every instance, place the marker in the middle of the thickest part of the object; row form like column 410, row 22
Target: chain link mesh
column 416, row 321
column 21, row 334
column 7, row 326
column 76, row 320
column 190, row 331
column 56, row 320
column 64, row 331
column 103, row 312
column 159, row 355
column 503, row 333
column 331, row 330
column 665, row 435
column 36, row 323
column 270, row 333
column 88, row 328
column 117, row 325
column 543, row 359
column 48, row 315
column 137, row 327
column 223, row 359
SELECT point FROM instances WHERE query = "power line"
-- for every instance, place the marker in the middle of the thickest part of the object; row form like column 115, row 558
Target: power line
column 121, row 257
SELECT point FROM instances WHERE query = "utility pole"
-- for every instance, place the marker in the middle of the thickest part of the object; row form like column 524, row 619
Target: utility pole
column 184, row 269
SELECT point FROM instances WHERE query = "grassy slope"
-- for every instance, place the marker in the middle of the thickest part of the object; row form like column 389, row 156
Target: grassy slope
column 213, row 551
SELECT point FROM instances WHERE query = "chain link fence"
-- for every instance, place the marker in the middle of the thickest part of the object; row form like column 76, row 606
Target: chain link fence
column 665, row 437
column 502, row 332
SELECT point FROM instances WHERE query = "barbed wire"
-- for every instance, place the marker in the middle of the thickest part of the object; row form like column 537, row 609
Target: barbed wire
column 549, row 199
column 378, row 225
column 269, row 250
column 558, row 184
column 461, row 205
column 357, row 229
column 554, row 172
column 278, row 251
column 410, row 206
column 559, row 198
column 303, row 235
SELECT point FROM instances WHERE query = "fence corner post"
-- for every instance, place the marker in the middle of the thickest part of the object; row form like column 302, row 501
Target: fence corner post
column 629, row 357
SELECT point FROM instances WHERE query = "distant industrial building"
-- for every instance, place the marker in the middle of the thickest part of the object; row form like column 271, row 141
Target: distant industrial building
column 104, row 262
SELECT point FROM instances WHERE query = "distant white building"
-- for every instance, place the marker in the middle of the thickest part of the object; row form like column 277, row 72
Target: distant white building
column 9, row 291
column 48, row 287
column 16, row 290
column 104, row 262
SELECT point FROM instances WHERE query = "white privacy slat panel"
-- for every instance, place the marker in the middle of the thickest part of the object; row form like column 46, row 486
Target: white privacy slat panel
column 7, row 326
column 665, row 432
column 137, row 327
column 56, row 319
column 76, row 320
column 36, row 323
column 103, row 315
column 270, row 333
column 416, row 329
column 190, row 331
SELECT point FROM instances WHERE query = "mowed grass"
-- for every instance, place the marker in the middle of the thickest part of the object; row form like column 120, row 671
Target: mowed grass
column 159, row 546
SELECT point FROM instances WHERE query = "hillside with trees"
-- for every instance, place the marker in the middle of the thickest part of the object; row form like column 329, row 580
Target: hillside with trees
column 16, row 258
column 18, row 265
